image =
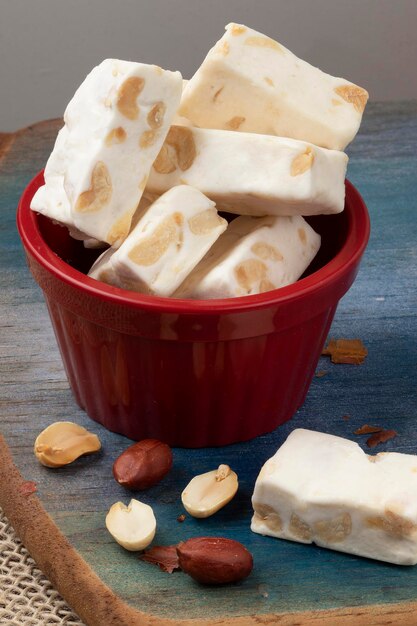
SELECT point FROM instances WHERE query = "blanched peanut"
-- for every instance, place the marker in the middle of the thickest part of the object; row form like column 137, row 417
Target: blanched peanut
column 63, row 442
column 207, row 493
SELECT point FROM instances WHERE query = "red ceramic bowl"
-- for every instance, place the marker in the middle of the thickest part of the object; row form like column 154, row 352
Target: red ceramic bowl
column 192, row 373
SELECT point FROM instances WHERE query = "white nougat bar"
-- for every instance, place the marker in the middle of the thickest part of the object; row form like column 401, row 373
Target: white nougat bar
column 168, row 241
column 324, row 489
column 114, row 128
column 254, row 255
column 251, row 83
column 251, row 174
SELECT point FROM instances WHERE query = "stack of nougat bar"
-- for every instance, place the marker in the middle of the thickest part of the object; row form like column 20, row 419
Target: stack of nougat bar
column 146, row 160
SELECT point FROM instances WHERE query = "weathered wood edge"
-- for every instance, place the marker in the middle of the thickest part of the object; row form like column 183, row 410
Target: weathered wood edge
column 6, row 142
column 96, row 604
column 7, row 139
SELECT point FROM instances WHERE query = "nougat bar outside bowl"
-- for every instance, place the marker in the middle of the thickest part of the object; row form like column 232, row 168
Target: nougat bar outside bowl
column 192, row 373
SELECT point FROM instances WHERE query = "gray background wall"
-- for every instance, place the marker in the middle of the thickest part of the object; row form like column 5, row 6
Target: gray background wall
column 48, row 46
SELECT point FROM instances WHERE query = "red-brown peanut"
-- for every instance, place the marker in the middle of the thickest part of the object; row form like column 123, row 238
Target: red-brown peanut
column 143, row 464
column 214, row 560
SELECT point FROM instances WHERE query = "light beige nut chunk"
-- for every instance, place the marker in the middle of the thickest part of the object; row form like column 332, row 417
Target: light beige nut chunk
column 333, row 530
column 268, row 517
column 127, row 96
column 393, row 524
column 178, row 151
column 302, row 162
column 354, row 95
column 63, row 442
column 300, row 529
column 99, row 193
column 132, row 526
column 207, row 493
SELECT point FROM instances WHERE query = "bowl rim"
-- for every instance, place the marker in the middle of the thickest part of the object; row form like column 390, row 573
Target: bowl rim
column 349, row 254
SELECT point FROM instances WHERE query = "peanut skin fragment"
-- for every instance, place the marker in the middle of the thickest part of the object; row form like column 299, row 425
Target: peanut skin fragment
column 350, row 351
column 380, row 437
column 217, row 94
column 367, row 430
column 165, row 557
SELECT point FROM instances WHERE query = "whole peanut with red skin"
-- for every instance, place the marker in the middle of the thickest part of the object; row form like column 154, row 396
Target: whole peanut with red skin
column 214, row 560
column 143, row 464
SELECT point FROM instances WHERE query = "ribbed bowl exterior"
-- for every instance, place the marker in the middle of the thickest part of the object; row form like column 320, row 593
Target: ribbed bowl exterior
column 189, row 373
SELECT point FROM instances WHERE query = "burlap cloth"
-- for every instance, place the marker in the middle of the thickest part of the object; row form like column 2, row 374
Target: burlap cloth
column 27, row 598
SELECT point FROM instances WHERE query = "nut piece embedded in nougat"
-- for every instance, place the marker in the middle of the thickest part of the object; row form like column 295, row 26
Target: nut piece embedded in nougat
column 63, row 442
column 102, row 268
column 114, row 128
column 168, row 241
column 251, row 174
column 329, row 492
column 254, row 255
column 251, row 83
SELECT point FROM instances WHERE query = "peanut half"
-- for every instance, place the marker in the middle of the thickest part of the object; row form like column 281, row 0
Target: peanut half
column 206, row 493
column 132, row 526
column 63, row 442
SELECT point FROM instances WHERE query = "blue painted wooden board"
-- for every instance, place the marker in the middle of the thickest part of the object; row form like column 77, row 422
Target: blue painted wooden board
column 380, row 308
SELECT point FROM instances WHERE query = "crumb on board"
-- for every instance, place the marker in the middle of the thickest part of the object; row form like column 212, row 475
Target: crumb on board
column 366, row 429
column 381, row 437
column 27, row 488
column 350, row 351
